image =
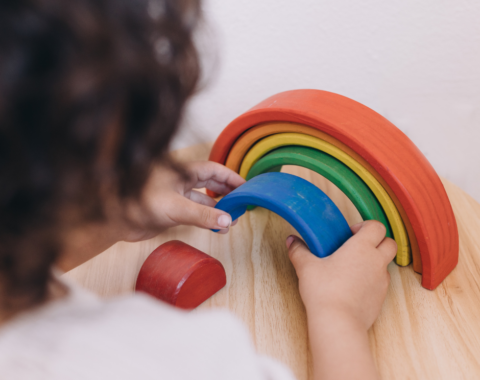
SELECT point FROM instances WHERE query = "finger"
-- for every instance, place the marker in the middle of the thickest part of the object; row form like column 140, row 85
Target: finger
column 298, row 252
column 388, row 248
column 218, row 188
column 356, row 227
column 201, row 198
column 185, row 211
column 215, row 177
column 371, row 232
column 205, row 200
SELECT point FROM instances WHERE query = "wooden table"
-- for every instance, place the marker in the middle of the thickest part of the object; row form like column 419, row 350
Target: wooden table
column 420, row 334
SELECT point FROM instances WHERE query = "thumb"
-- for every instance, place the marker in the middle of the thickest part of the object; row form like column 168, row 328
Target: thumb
column 298, row 253
column 195, row 214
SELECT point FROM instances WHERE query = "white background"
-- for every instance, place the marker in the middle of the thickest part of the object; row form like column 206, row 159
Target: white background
column 415, row 62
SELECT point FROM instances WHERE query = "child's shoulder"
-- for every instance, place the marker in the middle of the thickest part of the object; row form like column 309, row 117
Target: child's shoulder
column 128, row 336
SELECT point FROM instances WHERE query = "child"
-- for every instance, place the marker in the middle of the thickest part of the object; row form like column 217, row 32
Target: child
column 91, row 93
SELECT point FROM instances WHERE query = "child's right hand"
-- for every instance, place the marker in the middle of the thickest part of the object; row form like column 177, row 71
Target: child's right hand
column 353, row 281
column 343, row 295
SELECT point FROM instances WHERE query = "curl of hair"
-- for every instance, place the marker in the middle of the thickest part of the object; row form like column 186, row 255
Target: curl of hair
column 91, row 93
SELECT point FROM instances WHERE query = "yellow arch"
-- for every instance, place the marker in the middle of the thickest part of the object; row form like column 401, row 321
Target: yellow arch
column 284, row 139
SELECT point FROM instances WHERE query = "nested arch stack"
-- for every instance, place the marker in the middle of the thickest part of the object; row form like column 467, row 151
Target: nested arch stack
column 375, row 164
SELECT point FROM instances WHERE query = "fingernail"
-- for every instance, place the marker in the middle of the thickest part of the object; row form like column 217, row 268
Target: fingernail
column 290, row 240
column 224, row 221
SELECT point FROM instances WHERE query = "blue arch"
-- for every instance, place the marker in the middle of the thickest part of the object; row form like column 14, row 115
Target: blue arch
column 307, row 208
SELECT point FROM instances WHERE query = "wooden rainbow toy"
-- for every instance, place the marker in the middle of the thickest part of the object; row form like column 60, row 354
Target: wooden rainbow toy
column 404, row 183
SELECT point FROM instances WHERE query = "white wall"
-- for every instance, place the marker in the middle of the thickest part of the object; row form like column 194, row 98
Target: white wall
column 415, row 62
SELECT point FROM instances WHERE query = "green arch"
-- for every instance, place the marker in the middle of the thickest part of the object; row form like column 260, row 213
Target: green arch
column 333, row 170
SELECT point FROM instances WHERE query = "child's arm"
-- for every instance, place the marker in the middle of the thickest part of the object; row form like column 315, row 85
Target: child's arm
column 343, row 295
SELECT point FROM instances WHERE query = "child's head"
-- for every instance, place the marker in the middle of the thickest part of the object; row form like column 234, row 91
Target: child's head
column 91, row 92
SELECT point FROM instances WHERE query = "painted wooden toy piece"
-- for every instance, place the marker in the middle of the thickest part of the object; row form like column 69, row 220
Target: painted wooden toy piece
column 307, row 208
column 243, row 144
column 330, row 168
column 266, row 145
column 388, row 150
column 180, row 275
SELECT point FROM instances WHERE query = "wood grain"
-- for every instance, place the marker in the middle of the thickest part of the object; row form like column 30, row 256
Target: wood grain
column 420, row 334
column 390, row 152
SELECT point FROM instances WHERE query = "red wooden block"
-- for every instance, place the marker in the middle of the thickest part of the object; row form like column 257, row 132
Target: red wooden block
column 387, row 149
column 180, row 275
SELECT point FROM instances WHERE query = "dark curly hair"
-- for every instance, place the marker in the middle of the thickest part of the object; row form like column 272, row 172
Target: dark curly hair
column 91, row 93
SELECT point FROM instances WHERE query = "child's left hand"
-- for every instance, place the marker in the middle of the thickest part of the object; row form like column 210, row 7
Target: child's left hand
column 169, row 201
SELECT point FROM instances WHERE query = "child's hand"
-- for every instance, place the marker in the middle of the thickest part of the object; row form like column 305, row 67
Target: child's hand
column 169, row 201
column 166, row 201
column 343, row 295
column 353, row 281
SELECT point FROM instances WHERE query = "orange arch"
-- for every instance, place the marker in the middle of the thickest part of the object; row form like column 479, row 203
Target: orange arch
column 251, row 136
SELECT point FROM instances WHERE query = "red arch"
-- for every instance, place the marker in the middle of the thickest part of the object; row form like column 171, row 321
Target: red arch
column 390, row 152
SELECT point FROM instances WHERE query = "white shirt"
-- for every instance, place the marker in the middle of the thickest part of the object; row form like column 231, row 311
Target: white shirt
column 134, row 337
